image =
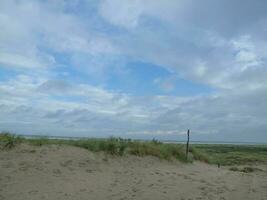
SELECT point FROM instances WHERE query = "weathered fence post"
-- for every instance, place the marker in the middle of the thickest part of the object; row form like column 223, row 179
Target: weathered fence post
column 187, row 144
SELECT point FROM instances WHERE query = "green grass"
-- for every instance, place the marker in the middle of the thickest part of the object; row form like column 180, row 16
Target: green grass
column 118, row 146
column 233, row 154
column 230, row 155
column 8, row 141
column 113, row 146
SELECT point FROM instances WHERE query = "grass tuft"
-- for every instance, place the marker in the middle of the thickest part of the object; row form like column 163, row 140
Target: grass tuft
column 39, row 141
column 244, row 169
column 198, row 155
column 113, row 146
column 8, row 140
column 231, row 155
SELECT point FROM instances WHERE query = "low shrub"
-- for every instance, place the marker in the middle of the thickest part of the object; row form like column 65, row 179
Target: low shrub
column 8, row 140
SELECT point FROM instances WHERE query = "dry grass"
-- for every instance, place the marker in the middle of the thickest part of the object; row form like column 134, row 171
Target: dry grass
column 230, row 155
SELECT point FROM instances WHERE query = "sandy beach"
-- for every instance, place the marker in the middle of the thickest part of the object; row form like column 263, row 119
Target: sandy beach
column 65, row 172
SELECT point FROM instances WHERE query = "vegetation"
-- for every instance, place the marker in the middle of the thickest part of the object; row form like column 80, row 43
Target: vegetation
column 230, row 155
column 233, row 154
column 244, row 169
column 8, row 141
column 113, row 146
column 119, row 146
column 199, row 155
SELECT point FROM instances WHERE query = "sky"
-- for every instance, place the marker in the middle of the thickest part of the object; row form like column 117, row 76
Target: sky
column 134, row 68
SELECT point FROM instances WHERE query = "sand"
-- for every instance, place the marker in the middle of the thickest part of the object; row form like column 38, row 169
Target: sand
column 64, row 172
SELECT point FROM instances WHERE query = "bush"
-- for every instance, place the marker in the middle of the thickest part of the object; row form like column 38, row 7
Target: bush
column 244, row 169
column 198, row 155
column 8, row 140
column 40, row 141
column 115, row 146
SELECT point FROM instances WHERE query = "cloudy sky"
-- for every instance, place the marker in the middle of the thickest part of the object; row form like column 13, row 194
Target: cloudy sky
column 134, row 68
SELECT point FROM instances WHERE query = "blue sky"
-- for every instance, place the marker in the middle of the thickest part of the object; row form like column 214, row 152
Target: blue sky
column 134, row 68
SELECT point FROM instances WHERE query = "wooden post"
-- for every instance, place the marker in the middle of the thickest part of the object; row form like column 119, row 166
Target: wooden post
column 187, row 144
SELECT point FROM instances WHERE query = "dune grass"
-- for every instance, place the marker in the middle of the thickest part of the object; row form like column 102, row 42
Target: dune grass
column 8, row 141
column 113, row 146
column 228, row 155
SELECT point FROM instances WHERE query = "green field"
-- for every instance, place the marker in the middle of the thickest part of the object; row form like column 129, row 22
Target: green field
column 233, row 154
column 209, row 153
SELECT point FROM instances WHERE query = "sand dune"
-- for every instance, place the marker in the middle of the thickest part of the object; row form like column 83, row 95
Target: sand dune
column 64, row 172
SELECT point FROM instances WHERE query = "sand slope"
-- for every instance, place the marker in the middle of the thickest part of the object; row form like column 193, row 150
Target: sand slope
column 63, row 172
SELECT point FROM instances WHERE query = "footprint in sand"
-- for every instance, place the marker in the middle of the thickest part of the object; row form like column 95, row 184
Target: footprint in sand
column 33, row 192
column 66, row 163
column 202, row 187
column 8, row 165
column 8, row 177
column 82, row 164
column 134, row 190
column 160, row 180
column 117, row 172
column 57, row 172
column 220, row 190
column 158, row 173
column 39, row 168
column 187, row 177
column 139, row 181
column 226, row 188
column 179, row 174
column 23, row 169
column 23, row 166
column 113, row 184
column 67, row 195
column 89, row 170
column 202, row 181
column 43, row 152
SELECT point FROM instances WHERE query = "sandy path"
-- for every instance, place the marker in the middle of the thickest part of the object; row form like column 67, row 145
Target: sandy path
column 54, row 172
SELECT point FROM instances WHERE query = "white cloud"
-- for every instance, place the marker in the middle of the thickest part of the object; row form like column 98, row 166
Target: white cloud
column 188, row 39
column 200, row 69
column 69, row 108
column 22, row 61
column 195, row 41
column 32, row 30
column 122, row 13
column 246, row 55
